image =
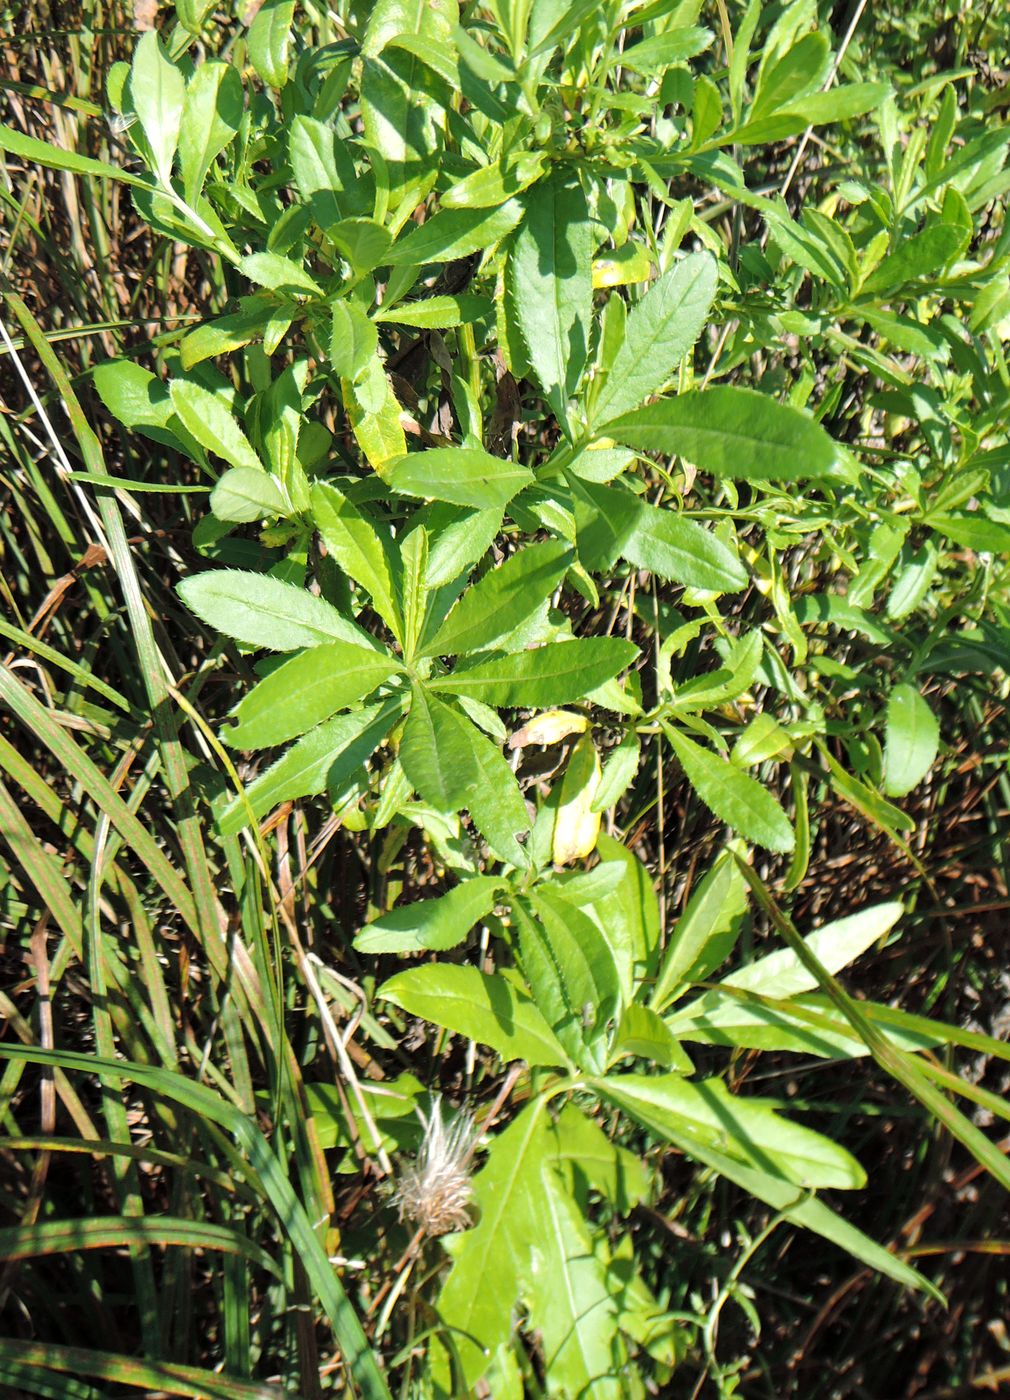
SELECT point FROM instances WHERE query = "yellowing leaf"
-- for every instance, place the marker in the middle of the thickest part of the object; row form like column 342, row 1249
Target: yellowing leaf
column 549, row 728
column 577, row 826
column 379, row 435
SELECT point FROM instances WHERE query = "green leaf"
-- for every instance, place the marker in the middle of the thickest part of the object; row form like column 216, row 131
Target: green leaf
column 193, row 13
column 837, row 611
column 158, row 92
column 784, row 78
column 138, row 398
column 269, row 39
column 462, row 476
column 613, row 523
column 278, row 274
column 227, row 333
column 361, row 550
column 706, row 931
column 431, row 924
column 485, row 1007
column 548, row 675
column 503, row 599
column 266, row 612
column 795, row 1204
column 204, row 416
column 305, row 691
column 550, row 270
column 211, row 118
column 414, row 588
column 838, row 105
column 29, row 148
column 629, row 914
column 656, row 54
column 363, row 242
column 972, row 531
column 673, row 547
column 322, row 166
column 911, row 740
column 454, row 233
column 353, row 341
column 493, row 184
column 645, row 1035
column 731, row 432
column 729, row 681
column 403, row 102
column 922, row 255
column 735, row 797
column 585, row 1153
column 751, row 1131
column 571, row 972
column 803, row 1025
column 618, row 773
column 323, row 760
column 243, row 494
column 452, row 765
column 570, row 1301
column 782, row 974
column 437, row 313
column 660, row 330
column 492, row 1260
column 866, row 799
column 913, row 582
column 456, row 539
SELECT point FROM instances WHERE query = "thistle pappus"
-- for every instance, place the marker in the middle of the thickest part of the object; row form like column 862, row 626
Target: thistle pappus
column 434, row 1190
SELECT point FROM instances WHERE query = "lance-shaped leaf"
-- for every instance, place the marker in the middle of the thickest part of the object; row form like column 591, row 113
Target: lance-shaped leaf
column 482, row 1006
column 454, row 233
column 362, row 550
column 267, row 612
column 502, row 599
column 432, row 924
column 571, row 971
column 660, row 330
column 452, row 765
column 247, row 493
column 731, row 432
column 911, row 740
column 549, row 675
column 305, row 691
column 208, row 420
column 211, row 119
column 158, row 93
column 734, row 796
column 322, row 761
column 550, row 272
column 612, row 523
column 750, row 1130
column 462, row 476
column 270, row 39
column 769, row 1186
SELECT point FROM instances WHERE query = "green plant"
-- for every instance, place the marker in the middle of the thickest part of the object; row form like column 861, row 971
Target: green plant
column 471, row 403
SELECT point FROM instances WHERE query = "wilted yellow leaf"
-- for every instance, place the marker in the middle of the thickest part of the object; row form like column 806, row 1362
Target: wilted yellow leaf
column 576, row 825
column 549, row 728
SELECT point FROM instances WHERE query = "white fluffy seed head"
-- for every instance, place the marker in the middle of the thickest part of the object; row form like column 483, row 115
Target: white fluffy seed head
column 434, row 1189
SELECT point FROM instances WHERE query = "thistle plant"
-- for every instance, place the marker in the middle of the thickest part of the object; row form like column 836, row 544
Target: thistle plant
column 434, row 1190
